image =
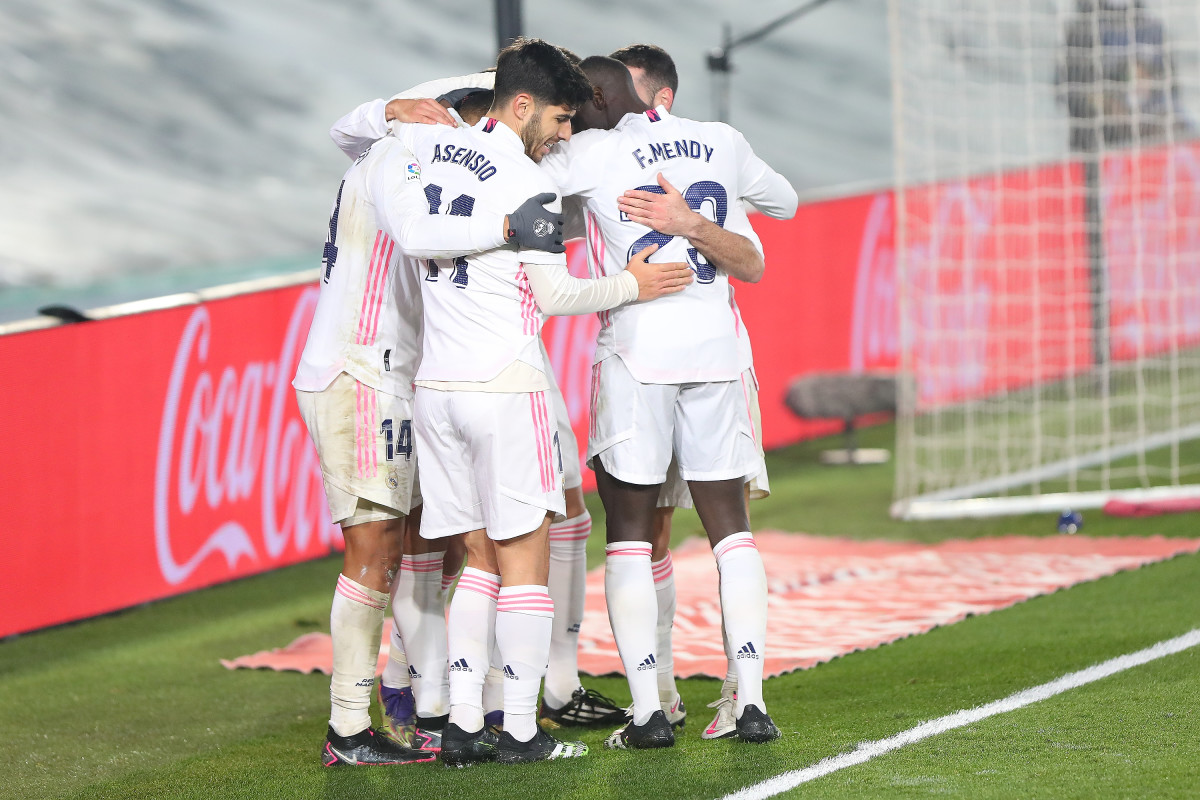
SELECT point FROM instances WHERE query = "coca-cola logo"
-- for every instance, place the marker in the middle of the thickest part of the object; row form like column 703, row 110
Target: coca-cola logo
column 1151, row 242
column 219, row 460
column 875, row 328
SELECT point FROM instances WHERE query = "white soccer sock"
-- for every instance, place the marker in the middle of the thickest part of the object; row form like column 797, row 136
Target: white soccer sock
column 356, row 627
column 568, row 577
column 395, row 671
column 744, row 612
column 664, row 592
column 729, row 685
column 493, row 689
column 471, row 633
column 418, row 611
column 524, row 617
column 633, row 614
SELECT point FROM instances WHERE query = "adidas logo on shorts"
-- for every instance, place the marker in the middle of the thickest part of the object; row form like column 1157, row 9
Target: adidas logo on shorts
column 747, row 651
column 508, row 672
column 459, row 666
column 648, row 663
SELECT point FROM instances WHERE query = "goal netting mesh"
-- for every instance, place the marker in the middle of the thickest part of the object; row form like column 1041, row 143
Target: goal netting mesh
column 1048, row 252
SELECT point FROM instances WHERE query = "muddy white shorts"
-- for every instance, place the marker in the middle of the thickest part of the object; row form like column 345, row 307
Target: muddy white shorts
column 675, row 491
column 488, row 460
column 364, row 442
column 636, row 427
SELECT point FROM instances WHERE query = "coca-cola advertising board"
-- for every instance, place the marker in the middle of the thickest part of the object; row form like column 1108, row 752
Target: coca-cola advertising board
column 152, row 454
column 1152, row 249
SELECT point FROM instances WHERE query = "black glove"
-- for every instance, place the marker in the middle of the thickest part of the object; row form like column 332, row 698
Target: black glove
column 534, row 226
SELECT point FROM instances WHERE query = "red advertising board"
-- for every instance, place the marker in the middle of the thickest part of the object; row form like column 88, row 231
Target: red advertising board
column 1152, row 249
column 998, row 283
column 152, row 454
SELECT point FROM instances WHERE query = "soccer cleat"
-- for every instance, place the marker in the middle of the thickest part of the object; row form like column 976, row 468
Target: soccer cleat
column 399, row 713
column 586, row 708
column 724, row 725
column 369, row 747
column 460, row 748
column 656, row 732
column 494, row 720
column 676, row 713
column 542, row 747
column 756, row 726
column 428, row 733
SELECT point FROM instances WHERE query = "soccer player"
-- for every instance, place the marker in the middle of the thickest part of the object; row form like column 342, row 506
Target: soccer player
column 353, row 387
column 491, row 465
column 657, row 80
column 667, row 376
column 565, row 700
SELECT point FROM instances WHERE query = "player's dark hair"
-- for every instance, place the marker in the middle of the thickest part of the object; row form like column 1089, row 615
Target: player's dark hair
column 541, row 70
column 475, row 104
column 657, row 64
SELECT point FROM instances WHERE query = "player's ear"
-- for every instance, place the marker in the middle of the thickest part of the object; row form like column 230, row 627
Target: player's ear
column 522, row 106
column 664, row 97
column 598, row 98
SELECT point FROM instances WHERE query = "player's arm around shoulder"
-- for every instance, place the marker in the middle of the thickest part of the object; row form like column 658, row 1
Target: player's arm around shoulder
column 404, row 212
column 758, row 183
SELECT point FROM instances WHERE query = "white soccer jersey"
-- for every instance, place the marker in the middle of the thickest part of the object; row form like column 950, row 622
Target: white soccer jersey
column 695, row 335
column 480, row 314
column 368, row 317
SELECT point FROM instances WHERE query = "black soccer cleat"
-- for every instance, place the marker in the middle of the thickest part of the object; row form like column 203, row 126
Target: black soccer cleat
column 585, row 708
column 542, row 747
column 460, row 748
column 368, row 747
column 656, row 732
column 756, row 726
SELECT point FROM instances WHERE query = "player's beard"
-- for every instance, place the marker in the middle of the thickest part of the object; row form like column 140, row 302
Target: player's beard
column 531, row 135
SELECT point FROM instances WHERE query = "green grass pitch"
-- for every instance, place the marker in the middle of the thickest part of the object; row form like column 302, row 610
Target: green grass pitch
column 136, row 705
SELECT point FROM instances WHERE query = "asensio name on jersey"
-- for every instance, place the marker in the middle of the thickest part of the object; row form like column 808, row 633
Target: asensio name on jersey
column 480, row 313
column 696, row 335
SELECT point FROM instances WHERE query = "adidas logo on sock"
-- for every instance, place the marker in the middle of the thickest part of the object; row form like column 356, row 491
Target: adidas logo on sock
column 459, row 666
column 574, row 628
column 412, row 672
column 648, row 663
column 366, row 682
column 508, row 672
column 747, row 651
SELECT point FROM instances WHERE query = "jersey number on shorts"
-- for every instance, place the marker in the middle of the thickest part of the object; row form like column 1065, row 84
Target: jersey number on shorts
column 397, row 444
column 695, row 195
column 461, row 206
column 329, row 256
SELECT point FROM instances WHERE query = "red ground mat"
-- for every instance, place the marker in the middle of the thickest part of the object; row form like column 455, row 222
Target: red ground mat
column 829, row 597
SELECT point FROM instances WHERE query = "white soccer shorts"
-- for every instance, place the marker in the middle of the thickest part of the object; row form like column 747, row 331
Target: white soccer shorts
column 675, row 491
column 488, row 460
column 364, row 442
column 636, row 427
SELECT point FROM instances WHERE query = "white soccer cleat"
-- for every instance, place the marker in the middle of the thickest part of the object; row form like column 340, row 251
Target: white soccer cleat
column 724, row 724
column 676, row 713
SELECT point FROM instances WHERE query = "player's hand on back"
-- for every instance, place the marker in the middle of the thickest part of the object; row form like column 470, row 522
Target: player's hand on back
column 425, row 111
column 656, row 280
column 666, row 213
column 535, row 226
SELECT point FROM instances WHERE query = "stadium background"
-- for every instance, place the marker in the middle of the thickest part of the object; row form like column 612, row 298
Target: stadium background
column 168, row 147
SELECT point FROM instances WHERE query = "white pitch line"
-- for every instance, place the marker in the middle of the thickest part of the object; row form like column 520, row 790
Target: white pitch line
column 868, row 750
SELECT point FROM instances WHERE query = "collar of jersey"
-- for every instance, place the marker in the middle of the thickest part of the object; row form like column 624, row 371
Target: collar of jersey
column 662, row 114
column 504, row 135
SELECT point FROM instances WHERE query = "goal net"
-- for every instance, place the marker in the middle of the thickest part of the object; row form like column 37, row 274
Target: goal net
column 1047, row 161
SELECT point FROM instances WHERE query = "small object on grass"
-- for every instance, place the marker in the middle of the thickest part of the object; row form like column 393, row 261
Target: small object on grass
column 1070, row 521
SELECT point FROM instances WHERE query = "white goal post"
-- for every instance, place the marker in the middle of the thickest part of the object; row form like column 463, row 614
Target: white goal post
column 1047, row 166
